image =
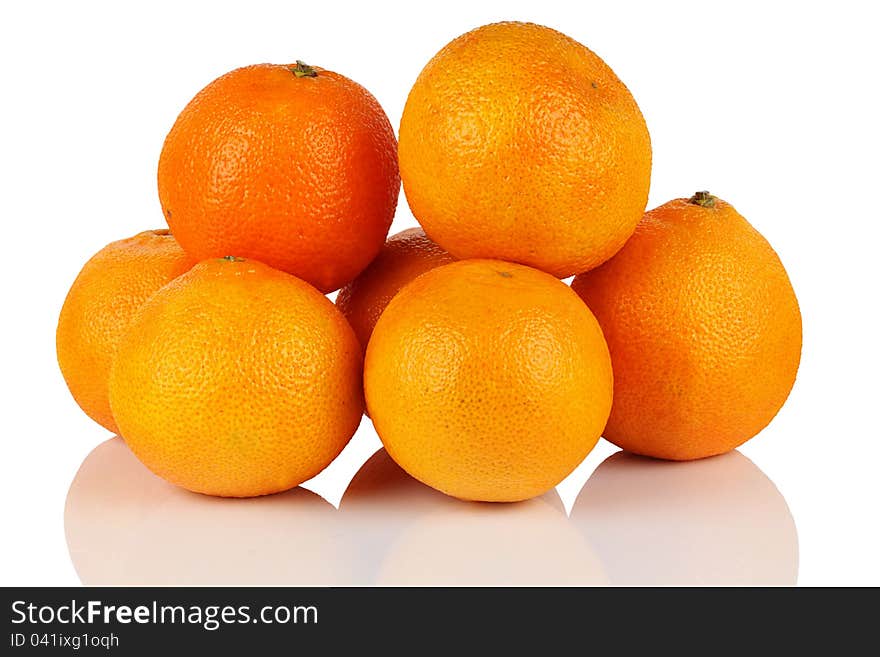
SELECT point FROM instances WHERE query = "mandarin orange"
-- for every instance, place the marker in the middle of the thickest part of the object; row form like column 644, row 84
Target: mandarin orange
column 488, row 380
column 704, row 331
column 519, row 143
column 237, row 380
column 405, row 255
column 100, row 305
column 294, row 166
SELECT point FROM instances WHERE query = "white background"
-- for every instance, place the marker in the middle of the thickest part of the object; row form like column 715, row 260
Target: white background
column 771, row 106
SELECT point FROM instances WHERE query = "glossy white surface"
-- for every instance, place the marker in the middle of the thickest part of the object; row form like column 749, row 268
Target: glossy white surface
column 636, row 521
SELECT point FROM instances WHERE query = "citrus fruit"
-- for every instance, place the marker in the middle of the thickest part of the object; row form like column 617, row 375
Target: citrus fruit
column 99, row 307
column 294, row 166
column 488, row 380
column 237, row 380
column 404, row 256
column 519, row 143
column 703, row 327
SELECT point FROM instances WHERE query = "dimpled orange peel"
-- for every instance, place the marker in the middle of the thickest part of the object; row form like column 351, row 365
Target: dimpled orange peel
column 704, row 331
column 519, row 143
column 237, row 380
column 488, row 380
column 99, row 307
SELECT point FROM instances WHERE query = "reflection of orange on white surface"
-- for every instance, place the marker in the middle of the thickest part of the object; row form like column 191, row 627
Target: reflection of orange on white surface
column 636, row 521
column 528, row 544
column 125, row 525
column 380, row 486
column 410, row 534
column 714, row 521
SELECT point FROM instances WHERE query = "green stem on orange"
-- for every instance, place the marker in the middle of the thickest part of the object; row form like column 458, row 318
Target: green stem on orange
column 232, row 259
column 303, row 70
column 703, row 199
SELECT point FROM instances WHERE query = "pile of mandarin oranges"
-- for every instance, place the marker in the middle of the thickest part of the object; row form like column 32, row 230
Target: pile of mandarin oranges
column 212, row 348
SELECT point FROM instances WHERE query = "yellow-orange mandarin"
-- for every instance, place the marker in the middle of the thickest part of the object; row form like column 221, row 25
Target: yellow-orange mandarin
column 237, row 380
column 488, row 380
column 101, row 303
column 519, row 143
column 704, row 331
